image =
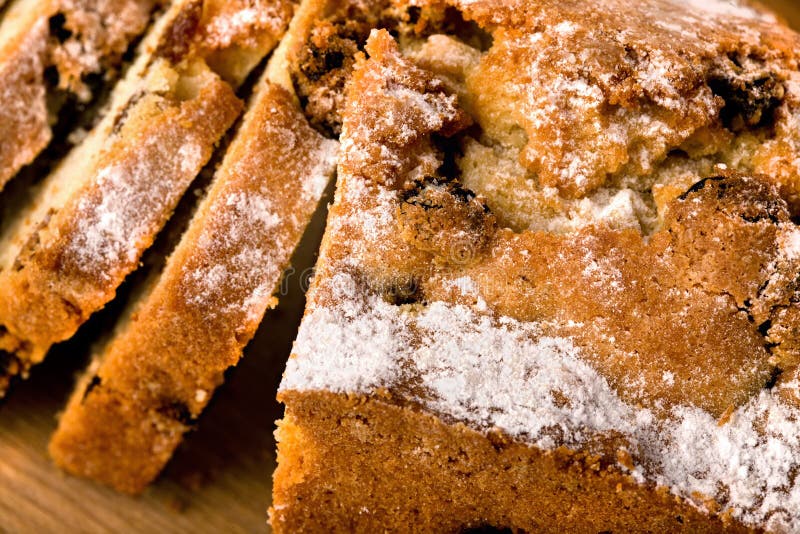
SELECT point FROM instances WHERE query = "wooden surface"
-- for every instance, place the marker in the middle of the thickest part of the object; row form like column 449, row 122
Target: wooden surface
column 219, row 480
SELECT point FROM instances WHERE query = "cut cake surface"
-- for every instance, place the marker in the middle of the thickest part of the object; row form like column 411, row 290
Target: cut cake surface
column 49, row 52
column 64, row 255
column 158, row 372
column 150, row 382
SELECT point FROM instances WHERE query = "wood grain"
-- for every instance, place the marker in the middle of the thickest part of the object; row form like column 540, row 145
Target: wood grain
column 219, row 480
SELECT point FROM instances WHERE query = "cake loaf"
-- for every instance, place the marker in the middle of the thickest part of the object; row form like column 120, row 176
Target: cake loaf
column 558, row 287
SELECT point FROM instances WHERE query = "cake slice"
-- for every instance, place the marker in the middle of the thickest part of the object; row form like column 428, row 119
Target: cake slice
column 558, row 287
column 51, row 53
column 63, row 256
column 149, row 384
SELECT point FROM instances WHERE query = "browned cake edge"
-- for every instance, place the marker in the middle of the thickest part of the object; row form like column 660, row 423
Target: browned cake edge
column 416, row 471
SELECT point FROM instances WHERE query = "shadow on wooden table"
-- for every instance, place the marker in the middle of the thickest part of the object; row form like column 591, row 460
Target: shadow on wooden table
column 220, row 478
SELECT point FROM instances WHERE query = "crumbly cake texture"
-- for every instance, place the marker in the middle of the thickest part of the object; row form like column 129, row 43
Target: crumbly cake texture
column 558, row 288
column 96, row 215
column 159, row 371
column 48, row 51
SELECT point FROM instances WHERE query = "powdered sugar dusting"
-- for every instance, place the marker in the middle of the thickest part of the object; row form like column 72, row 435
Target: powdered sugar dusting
column 560, row 107
column 224, row 29
column 754, row 457
column 112, row 224
column 571, row 79
column 319, row 176
column 240, row 254
column 491, row 375
column 723, row 8
column 235, row 22
column 263, row 196
column 256, row 207
column 525, row 372
column 789, row 241
column 324, row 343
column 501, row 373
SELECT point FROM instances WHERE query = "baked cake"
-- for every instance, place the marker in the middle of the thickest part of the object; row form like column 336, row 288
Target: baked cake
column 158, row 372
column 51, row 53
column 558, row 290
column 63, row 256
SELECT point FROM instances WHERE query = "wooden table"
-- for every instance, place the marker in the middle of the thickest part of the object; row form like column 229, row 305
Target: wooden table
column 220, row 478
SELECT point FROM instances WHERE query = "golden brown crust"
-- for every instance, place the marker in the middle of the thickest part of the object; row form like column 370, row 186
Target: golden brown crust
column 693, row 293
column 699, row 279
column 353, row 464
column 160, row 370
column 680, row 71
column 651, row 79
column 698, row 317
column 72, row 39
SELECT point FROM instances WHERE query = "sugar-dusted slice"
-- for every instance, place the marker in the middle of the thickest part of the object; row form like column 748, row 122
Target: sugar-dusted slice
column 152, row 380
column 532, row 352
column 49, row 51
column 63, row 257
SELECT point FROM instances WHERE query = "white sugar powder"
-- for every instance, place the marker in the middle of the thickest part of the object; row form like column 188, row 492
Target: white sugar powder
column 501, row 373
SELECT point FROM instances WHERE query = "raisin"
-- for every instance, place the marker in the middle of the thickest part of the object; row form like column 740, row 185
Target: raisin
column 318, row 62
column 57, row 27
column 773, row 378
column 401, row 292
column 749, row 103
column 178, row 39
column 179, row 412
column 9, row 364
column 93, row 383
column 442, row 217
column 698, row 186
column 334, row 59
column 414, row 13
column 418, row 195
column 51, row 76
